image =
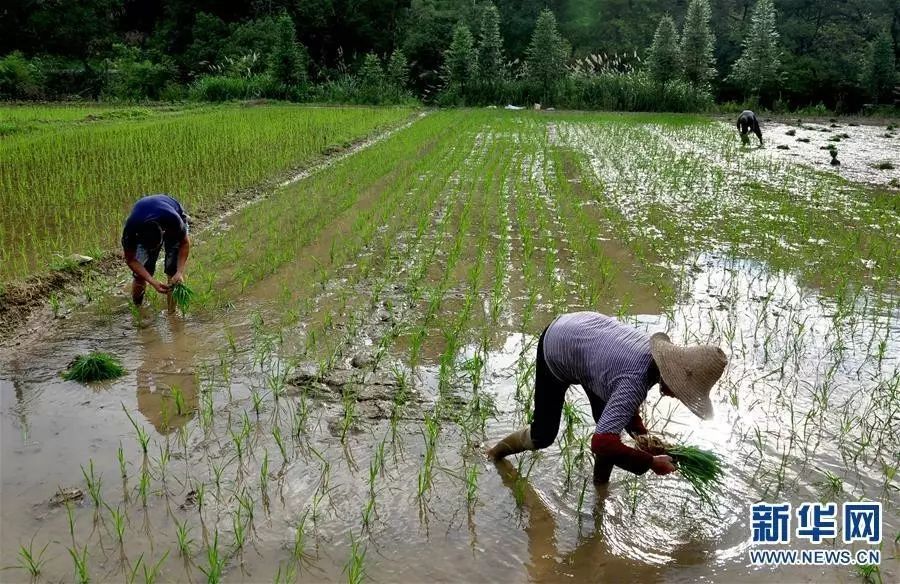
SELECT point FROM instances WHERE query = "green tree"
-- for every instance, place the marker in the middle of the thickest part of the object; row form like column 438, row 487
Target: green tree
column 758, row 70
column 371, row 75
column 288, row 61
column 459, row 59
column 880, row 73
column 697, row 45
column 490, row 45
column 547, row 53
column 664, row 59
column 398, row 69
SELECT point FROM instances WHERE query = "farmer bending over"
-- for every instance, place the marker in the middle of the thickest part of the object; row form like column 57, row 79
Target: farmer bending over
column 154, row 222
column 616, row 365
column 746, row 123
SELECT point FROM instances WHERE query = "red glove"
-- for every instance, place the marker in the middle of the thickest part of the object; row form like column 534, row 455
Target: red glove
column 610, row 449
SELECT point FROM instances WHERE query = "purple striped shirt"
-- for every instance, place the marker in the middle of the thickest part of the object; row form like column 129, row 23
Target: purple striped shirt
column 604, row 356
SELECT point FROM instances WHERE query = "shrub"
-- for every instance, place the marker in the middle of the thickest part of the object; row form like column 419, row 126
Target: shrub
column 227, row 88
column 19, row 77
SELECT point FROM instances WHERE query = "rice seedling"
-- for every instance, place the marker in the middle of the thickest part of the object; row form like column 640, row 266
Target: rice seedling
column 701, row 468
column 95, row 366
column 215, row 562
column 32, row 561
column 355, row 567
column 151, row 573
column 182, row 532
column 142, row 435
column 80, row 560
column 119, row 518
column 183, row 296
column 93, row 484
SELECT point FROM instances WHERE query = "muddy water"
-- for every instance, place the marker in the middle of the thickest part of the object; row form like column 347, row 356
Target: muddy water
column 867, row 153
column 805, row 376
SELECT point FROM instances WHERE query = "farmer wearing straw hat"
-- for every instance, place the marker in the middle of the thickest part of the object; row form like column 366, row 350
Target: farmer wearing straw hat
column 616, row 364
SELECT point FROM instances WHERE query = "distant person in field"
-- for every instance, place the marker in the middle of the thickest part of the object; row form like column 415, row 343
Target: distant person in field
column 616, row 364
column 747, row 123
column 155, row 222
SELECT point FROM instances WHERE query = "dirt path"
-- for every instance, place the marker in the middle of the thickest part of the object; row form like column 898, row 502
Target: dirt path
column 27, row 306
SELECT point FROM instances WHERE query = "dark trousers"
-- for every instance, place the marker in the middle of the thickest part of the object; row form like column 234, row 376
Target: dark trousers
column 549, row 397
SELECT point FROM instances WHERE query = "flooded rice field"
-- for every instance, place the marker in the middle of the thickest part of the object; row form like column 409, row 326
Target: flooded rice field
column 358, row 338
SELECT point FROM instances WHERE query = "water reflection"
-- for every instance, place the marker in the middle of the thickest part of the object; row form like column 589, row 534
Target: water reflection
column 167, row 385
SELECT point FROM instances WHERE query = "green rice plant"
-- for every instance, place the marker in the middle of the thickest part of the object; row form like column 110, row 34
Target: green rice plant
column 183, row 296
column 178, row 398
column 264, row 480
column 95, row 366
column 355, row 567
column 144, row 486
column 30, row 561
column 239, row 528
column 93, row 484
column 152, row 573
column 472, row 484
column 82, row 575
column 701, row 468
column 299, row 547
column 215, row 562
column 182, row 532
column 286, row 574
column 142, row 435
column 120, row 456
column 119, row 518
column 276, row 434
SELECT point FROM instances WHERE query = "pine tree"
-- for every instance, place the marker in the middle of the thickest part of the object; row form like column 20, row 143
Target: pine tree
column 459, row 59
column 398, row 69
column 880, row 75
column 490, row 45
column 665, row 56
column 371, row 75
column 697, row 45
column 547, row 53
column 758, row 70
column 288, row 61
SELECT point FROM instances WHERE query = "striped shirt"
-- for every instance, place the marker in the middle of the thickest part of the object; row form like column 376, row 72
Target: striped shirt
column 604, row 356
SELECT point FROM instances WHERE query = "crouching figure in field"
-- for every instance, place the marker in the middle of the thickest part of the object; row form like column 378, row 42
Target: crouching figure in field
column 747, row 123
column 616, row 364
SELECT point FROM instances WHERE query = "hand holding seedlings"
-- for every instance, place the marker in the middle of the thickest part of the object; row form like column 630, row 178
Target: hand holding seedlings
column 156, row 221
column 617, row 365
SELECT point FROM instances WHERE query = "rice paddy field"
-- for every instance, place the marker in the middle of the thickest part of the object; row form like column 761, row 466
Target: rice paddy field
column 356, row 337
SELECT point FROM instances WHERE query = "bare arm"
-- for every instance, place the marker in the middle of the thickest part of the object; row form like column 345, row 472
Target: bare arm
column 141, row 272
column 184, row 250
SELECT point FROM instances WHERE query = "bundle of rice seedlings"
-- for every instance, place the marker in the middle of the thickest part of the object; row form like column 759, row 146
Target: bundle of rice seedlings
column 182, row 295
column 94, row 366
column 701, row 468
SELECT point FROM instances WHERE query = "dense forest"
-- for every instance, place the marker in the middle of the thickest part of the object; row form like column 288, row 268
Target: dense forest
column 612, row 54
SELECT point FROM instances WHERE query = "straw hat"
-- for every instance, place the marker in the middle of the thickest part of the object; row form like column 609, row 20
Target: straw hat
column 689, row 372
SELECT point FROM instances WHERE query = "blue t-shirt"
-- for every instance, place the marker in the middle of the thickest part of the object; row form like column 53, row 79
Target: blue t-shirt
column 160, row 209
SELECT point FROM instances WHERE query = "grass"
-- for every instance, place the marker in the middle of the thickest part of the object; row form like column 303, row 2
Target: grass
column 95, row 366
column 88, row 175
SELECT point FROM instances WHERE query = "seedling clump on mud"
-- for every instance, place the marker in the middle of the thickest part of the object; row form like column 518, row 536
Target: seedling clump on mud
column 94, row 366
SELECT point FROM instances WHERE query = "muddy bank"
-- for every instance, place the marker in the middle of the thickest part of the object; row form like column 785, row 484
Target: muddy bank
column 25, row 306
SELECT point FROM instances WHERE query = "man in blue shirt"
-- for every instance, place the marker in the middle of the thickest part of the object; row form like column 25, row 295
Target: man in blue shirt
column 156, row 221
